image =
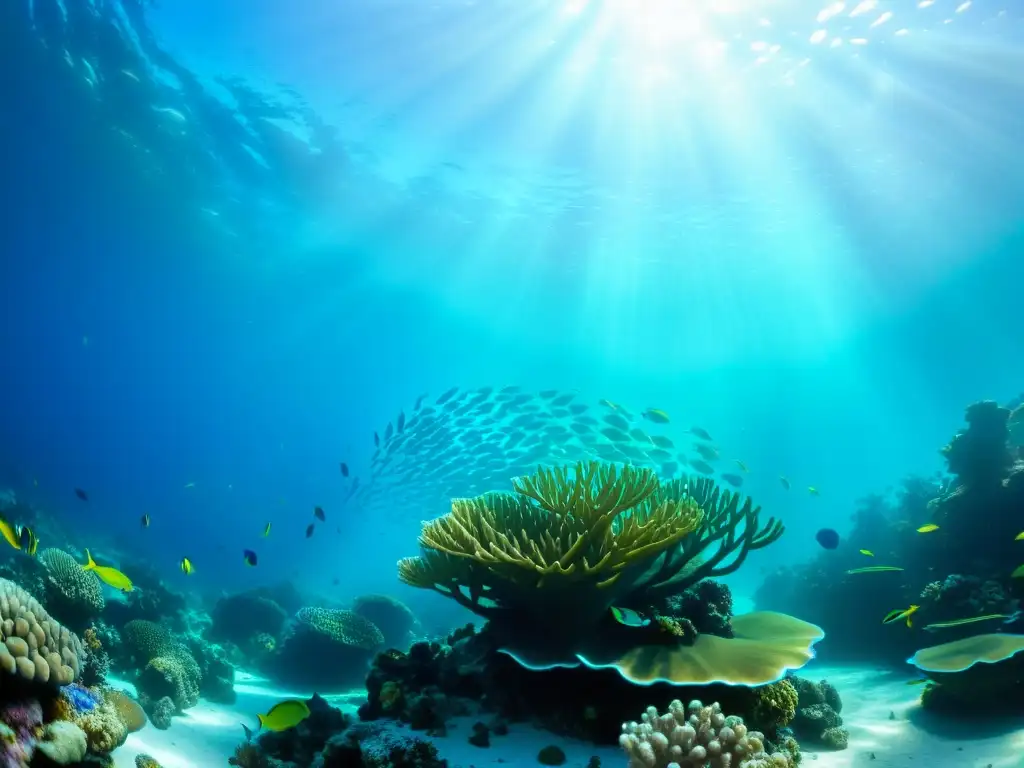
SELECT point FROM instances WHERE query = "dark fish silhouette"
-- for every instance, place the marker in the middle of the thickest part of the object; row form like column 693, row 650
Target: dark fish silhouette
column 249, row 556
column 309, row 530
column 318, row 513
column 81, row 494
column 344, row 469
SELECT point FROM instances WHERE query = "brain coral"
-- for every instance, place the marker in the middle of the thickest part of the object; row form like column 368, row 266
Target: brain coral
column 35, row 646
column 70, row 587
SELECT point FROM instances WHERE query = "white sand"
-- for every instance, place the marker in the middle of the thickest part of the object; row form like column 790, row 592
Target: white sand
column 208, row 733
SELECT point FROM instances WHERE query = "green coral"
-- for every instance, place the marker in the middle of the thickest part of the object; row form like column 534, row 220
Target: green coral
column 342, row 626
column 835, row 738
column 72, row 592
column 774, row 706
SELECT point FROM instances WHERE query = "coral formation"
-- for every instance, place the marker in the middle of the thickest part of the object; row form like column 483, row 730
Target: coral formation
column 570, row 543
column 392, row 617
column 697, row 736
column 72, row 593
column 325, row 646
column 63, row 743
column 238, row 618
column 35, row 647
column 817, row 717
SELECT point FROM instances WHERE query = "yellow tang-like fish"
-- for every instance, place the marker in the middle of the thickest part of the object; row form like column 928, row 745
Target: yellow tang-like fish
column 285, row 715
column 928, row 528
column 186, row 566
column 266, row 530
column 867, row 552
column 108, row 575
column 10, row 534
column 901, row 613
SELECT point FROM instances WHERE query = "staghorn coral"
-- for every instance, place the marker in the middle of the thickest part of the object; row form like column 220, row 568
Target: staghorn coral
column 392, row 617
column 73, row 594
column 571, row 542
column 695, row 737
column 35, row 647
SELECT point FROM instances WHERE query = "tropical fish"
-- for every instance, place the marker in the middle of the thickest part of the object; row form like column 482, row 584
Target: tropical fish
column 309, row 530
column 741, row 465
column 867, row 552
column 318, row 513
column 266, row 530
column 10, row 533
column 813, row 491
column 186, row 566
column 784, row 481
column 400, row 422
column 190, row 485
column 249, row 557
column 1019, row 536
column 1018, row 572
column 26, row 538
column 874, row 569
column 702, row 466
column 144, row 520
column 107, row 574
column 928, row 528
column 608, row 404
column 828, row 538
column 246, row 729
column 376, row 440
column 81, row 494
column 284, row 715
column 700, row 433
column 344, row 469
column 707, row 452
column 655, row 415
column 628, row 617
column 1007, row 618
column 901, row 613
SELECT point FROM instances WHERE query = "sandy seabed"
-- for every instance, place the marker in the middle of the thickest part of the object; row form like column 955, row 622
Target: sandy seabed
column 887, row 728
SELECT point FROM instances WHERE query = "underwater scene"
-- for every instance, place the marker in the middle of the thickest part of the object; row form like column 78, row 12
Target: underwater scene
column 585, row 383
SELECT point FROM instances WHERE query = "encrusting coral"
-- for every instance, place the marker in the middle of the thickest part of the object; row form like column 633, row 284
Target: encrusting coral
column 35, row 647
column 570, row 543
column 694, row 737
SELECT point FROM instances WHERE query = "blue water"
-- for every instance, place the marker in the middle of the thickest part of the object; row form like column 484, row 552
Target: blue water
column 240, row 237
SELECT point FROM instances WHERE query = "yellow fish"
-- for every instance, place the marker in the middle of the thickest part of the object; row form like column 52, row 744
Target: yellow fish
column 867, row 552
column 285, row 715
column 656, row 415
column 108, row 575
column 186, row 566
column 10, row 534
column 928, row 528
column 266, row 530
column 29, row 542
column 875, row 569
column 813, row 491
column 1019, row 536
column 900, row 613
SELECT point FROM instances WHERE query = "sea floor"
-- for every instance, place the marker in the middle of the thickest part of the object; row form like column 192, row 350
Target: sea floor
column 887, row 730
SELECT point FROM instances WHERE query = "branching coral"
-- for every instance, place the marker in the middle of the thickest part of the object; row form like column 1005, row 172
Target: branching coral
column 570, row 543
column 695, row 737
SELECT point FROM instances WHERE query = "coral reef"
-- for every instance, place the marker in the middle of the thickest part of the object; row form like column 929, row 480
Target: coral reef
column 571, row 543
column 959, row 570
column 35, row 647
column 696, row 736
column 238, row 618
column 817, row 717
column 392, row 617
column 63, row 743
column 73, row 594
column 325, row 646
